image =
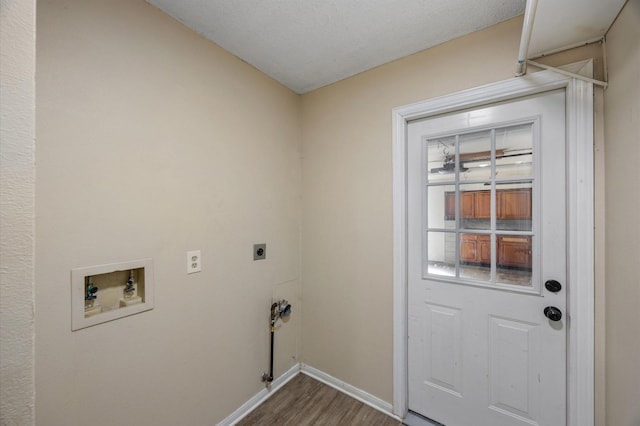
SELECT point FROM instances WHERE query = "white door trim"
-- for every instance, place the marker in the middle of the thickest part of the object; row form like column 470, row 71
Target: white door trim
column 580, row 250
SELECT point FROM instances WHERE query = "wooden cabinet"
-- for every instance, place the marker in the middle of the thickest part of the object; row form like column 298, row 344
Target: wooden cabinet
column 514, row 204
column 482, row 204
column 484, row 249
column 511, row 204
column 475, row 248
column 468, row 202
column 514, row 251
column 473, row 205
column 469, row 248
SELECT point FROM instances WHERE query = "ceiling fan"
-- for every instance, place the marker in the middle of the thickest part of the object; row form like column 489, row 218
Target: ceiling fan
column 448, row 166
column 474, row 159
column 449, row 162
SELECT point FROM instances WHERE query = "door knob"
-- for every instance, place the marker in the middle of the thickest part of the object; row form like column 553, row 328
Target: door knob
column 553, row 313
column 553, row 286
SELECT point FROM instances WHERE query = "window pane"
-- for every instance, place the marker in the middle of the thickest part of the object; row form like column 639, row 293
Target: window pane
column 514, row 259
column 475, row 206
column 514, row 147
column 475, row 156
column 441, row 159
column 513, row 203
column 441, row 206
column 475, row 256
column 441, row 253
column 479, row 205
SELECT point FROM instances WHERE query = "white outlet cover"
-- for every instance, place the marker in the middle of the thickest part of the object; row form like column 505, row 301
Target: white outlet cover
column 194, row 261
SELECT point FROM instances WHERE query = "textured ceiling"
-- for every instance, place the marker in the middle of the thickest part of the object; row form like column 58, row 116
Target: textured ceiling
column 307, row 44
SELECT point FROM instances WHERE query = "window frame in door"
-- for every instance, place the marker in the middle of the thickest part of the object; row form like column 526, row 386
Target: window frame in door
column 493, row 231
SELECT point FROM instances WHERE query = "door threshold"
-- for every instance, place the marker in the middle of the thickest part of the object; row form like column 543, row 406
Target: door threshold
column 415, row 419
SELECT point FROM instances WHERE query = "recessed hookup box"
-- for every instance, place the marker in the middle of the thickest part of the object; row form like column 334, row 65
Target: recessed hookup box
column 108, row 292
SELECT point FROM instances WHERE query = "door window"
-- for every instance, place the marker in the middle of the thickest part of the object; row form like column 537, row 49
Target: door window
column 480, row 227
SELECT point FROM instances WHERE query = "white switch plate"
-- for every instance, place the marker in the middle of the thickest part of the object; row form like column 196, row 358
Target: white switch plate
column 194, row 261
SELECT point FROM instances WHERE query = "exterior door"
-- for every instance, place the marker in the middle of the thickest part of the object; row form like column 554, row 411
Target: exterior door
column 486, row 252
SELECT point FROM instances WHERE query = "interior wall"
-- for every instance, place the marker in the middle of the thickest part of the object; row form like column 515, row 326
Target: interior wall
column 133, row 107
column 151, row 142
column 17, row 191
column 348, row 207
column 622, row 155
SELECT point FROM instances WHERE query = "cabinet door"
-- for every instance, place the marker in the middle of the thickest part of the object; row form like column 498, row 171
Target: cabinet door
column 514, row 251
column 468, row 248
column 482, row 205
column 468, row 200
column 514, row 204
column 468, row 208
column 484, row 249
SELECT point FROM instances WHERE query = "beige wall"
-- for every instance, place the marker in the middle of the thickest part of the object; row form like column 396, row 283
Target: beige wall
column 152, row 141
column 622, row 152
column 347, row 213
column 17, row 192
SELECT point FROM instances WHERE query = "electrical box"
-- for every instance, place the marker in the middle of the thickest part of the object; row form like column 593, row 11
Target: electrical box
column 107, row 292
column 259, row 251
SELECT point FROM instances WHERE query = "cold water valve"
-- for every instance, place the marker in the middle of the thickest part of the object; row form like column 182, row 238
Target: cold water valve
column 129, row 293
column 91, row 292
column 129, row 288
column 91, row 304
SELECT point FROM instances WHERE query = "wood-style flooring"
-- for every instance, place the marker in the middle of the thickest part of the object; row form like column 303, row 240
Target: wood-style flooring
column 305, row 401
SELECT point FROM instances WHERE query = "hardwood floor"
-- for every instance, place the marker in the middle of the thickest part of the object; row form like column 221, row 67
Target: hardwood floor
column 305, row 401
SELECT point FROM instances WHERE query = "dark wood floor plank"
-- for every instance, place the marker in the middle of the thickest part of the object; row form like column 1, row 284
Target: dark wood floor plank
column 369, row 416
column 305, row 401
column 341, row 410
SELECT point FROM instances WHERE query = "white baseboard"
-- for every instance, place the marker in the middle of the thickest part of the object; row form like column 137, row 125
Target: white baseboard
column 260, row 397
column 362, row 396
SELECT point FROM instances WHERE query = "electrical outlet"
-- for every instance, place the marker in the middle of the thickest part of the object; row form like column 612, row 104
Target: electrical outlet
column 259, row 251
column 194, row 261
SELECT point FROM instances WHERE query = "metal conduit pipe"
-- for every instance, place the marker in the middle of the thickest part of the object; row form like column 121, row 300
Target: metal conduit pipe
column 527, row 28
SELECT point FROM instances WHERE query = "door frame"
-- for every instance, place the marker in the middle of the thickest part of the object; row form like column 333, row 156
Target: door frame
column 580, row 227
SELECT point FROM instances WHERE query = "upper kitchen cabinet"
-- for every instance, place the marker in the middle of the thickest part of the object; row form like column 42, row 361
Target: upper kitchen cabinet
column 473, row 205
column 514, row 204
column 482, row 204
column 511, row 204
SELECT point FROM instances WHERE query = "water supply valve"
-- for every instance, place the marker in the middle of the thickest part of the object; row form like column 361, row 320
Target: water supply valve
column 91, row 292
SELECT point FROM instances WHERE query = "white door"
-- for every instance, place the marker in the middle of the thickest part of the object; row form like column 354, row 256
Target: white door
column 486, row 253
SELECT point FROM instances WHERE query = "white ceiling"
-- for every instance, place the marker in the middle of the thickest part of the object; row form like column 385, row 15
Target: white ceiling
column 307, row 44
column 560, row 24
